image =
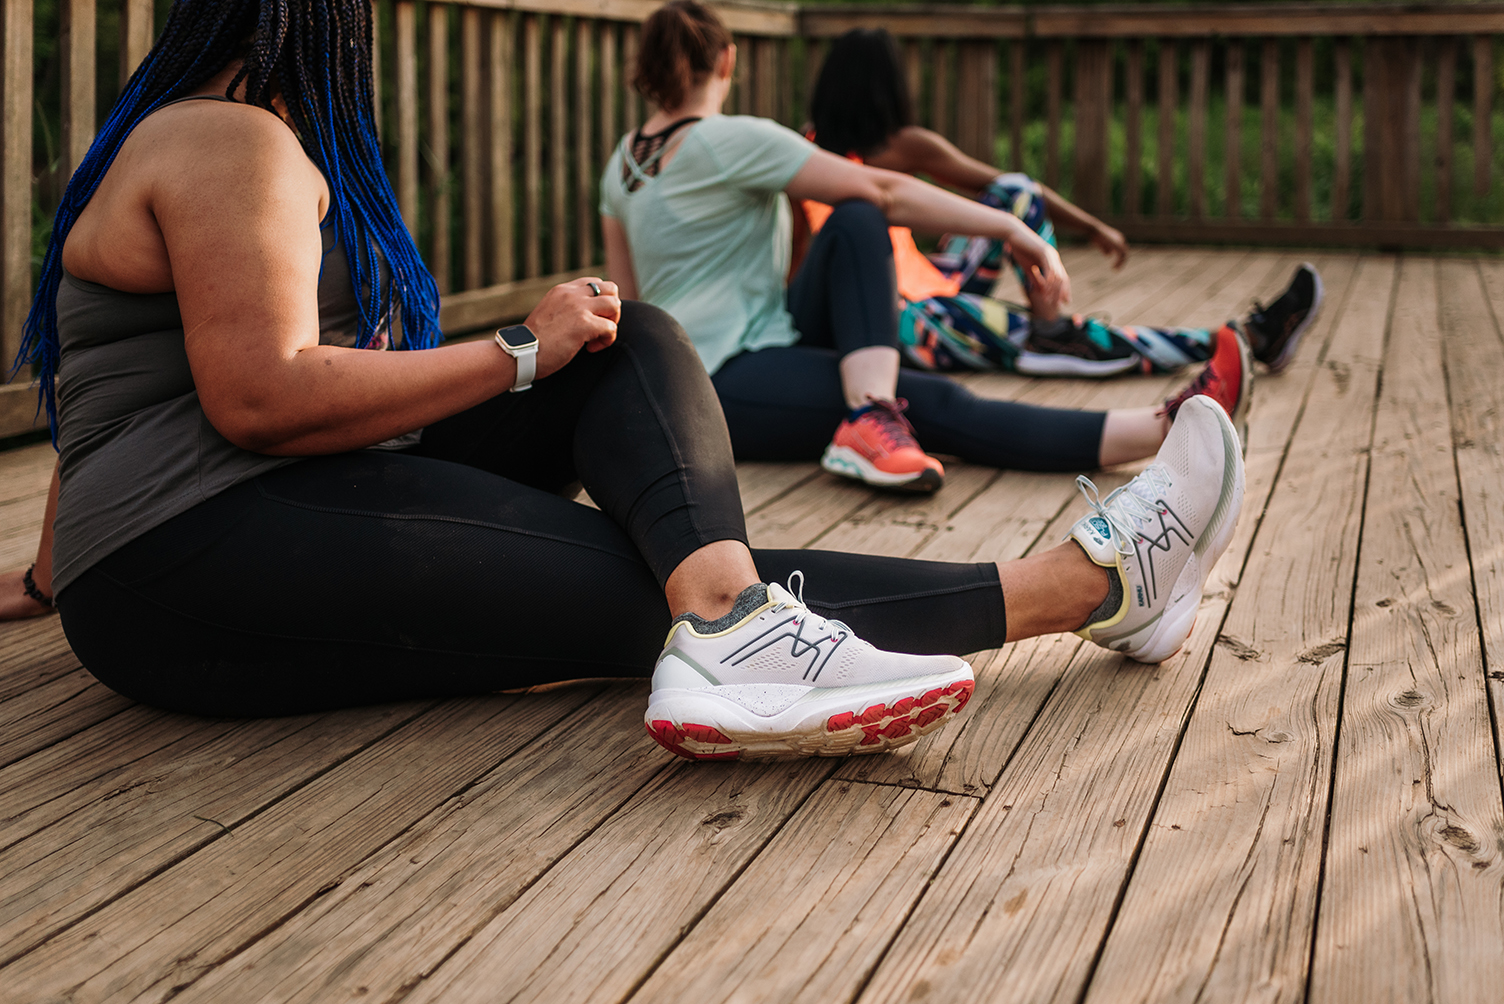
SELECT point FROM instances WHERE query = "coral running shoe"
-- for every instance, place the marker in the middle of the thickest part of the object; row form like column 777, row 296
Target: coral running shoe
column 1275, row 331
column 773, row 680
column 1227, row 379
column 1160, row 534
column 876, row 444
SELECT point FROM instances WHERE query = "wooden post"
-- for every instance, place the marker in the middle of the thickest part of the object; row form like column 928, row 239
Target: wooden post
column 940, row 63
column 1391, row 92
column 78, row 80
column 976, row 128
column 1054, row 58
column 558, row 146
column 765, row 101
column 439, row 259
column 1483, row 113
column 1093, row 92
column 913, row 71
column 631, row 105
column 15, row 174
column 1446, row 96
column 584, row 155
column 1018, row 83
column 503, row 220
column 783, row 60
column 532, row 145
column 608, row 75
column 1269, row 130
column 1169, row 100
column 1196, row 131
column 472, row 148
column 1342, row 167
column 1232, row 143
column 814, row 58
column 1304, row 85
column 741, row 86
column 407, row 113
column 1133, row 128
column 136, row 34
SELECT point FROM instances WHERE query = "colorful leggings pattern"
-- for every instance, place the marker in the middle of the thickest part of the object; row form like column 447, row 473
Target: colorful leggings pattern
column 974, row 331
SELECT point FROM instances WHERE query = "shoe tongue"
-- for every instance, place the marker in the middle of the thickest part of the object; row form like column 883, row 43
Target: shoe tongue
column 778, row 594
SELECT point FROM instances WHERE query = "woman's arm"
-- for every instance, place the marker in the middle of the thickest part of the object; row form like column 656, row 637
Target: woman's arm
column 909, row 202
column 919, row 151
column 619, row 257
column 239, row 219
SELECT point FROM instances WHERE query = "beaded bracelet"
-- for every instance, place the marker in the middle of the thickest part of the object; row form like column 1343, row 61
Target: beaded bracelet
column 30, row 585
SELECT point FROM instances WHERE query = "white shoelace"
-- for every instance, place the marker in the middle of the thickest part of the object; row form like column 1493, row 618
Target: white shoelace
column 814, row 621
column 1127, row 508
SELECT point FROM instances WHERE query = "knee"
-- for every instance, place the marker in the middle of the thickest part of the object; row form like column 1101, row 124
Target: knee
column 647, row 329
column 859, row 217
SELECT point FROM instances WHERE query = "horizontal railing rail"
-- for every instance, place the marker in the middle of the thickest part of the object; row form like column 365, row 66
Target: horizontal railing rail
column 1348, row 124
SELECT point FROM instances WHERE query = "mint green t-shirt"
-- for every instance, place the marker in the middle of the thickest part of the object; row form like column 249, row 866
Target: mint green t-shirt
column 710, row 232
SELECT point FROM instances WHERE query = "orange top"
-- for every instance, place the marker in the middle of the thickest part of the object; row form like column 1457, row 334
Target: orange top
column 918, row 278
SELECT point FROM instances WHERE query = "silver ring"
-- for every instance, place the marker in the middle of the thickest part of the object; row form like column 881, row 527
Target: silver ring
column 595, row 289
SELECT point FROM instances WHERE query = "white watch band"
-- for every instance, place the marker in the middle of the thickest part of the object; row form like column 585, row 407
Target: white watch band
column 527, row 362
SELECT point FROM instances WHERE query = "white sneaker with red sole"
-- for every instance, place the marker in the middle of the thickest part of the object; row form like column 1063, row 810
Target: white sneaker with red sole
column 782, row 682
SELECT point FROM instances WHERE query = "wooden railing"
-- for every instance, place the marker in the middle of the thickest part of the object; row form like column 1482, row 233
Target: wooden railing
column 1353, row 124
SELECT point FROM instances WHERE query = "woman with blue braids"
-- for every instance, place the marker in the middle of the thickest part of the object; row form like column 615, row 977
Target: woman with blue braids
column 271, row 504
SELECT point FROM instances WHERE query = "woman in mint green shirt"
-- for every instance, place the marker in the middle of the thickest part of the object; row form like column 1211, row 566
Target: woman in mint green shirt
column 696, row 221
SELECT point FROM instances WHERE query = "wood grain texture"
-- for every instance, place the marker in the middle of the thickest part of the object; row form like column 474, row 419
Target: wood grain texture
column 1133, row 82
column 1269, row 129
column 78, row 76
column 1305, row 77
column 595, row 925
column 161, row 936
column 1196, row 129
column 395, row 919
column 1055, row 72
column 501, row 51
column 1342, row 128
column 436, row 143
column 1222, row 902
column 1093, row 110
column 809, row 919
column 1232, row 143
column 1169, row 103
column 558, row 146
column 473, row 147
column 407, row 113
column 532, row 147
column 1484, row 86
column 585, row 167
column 16, row 29
column 1446, row 99
column 1410, row 905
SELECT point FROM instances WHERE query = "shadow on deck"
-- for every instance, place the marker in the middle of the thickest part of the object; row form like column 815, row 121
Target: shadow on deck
column 1304, row 804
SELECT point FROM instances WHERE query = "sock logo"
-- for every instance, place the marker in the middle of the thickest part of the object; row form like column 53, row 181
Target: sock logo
column 814, row 652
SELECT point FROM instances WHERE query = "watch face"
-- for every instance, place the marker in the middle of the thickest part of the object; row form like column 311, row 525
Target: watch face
column 518, row 336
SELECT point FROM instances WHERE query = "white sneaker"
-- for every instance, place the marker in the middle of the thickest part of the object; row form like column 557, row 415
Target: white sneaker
column 1164, row 530
column 783, row 682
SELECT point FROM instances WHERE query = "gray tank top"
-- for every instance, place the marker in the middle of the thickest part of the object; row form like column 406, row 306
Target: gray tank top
column 134, row 444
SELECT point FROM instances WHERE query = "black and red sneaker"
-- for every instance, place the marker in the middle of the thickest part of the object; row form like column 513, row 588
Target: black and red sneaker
column 1274, row 331
column 1227, row 379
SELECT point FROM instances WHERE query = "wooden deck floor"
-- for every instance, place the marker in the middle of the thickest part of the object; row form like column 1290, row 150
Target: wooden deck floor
column 1304, row 805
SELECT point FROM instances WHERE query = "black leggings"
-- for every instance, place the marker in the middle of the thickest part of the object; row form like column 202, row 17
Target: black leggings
column 375, row 576
column 785, row 403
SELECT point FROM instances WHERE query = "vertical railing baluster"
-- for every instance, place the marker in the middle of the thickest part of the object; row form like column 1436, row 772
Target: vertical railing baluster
column 1483, row 114
column 631, row 105
column 1446, row 95
column 15, row 174
column 783, row 59
column 407, row 113
column 472, row 148
column 1269, row 130
column 78, row 80
column 1196, row 131
column 1305, row 84
column 913, row 72
column 558, row 146
column 940, row 90
column 1342, row 71
column 765, row 101
column 532, row 147
column 1232, row 154
column 1054, row 58
column 814, row 58
column 502, row 50
column 136, row 34
column 608, row 82
column 741, row 97
column 439, row 259
column 1169, row 101
column 1093, row 91
column 1018, row 85
column 584, row 156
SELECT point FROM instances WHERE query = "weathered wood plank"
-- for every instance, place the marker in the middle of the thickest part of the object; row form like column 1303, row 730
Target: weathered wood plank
column 762, row 483
column 532, row 146
column 407, row 113
column 1410, row 905
column 899, row 526
column 16, row 29
column 558, row 146
column 1483, row 113
column 397, row 917
column 164, row 796
column 1196, row 128
column 1446, row 98
column 1305, row 76
column 1018, row 84
column 812, row 915
column 473, row 147
column 1228, row 874
column 1342, row 63
column 1269, row 129
column 52, row 711
column 168, row 932
column 1169, row 102
column 1055, row 63
column 584, row 154
column 78, row 81
column 31, row 653
column 501, row 48
column 440, row 255
column 593, row 927
column 1133, row 79
column 1232, row 144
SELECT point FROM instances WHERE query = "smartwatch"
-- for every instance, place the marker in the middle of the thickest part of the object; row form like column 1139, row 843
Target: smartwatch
column 519, row 342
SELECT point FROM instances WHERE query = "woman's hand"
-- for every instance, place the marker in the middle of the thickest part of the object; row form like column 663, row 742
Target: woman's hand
column 1111, row 242
column 571, row 316
column 1048, row 281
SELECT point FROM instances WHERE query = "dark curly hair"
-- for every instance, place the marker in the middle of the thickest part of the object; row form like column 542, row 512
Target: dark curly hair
column 861, row 97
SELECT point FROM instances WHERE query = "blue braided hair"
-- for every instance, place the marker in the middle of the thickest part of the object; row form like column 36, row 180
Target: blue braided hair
column 317, row 55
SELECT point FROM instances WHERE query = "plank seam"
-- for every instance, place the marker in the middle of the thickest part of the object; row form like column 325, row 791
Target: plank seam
column 1352, row 611
column 220, row 834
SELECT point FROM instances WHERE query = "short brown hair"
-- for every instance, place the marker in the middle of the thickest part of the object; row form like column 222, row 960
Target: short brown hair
column 680, row 43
